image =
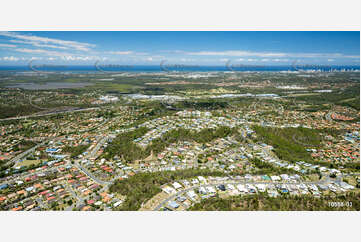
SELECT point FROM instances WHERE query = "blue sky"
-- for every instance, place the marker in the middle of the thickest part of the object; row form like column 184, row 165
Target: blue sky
column 201, row 48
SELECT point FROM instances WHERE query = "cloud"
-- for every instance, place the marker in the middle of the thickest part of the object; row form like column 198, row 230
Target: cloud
column 140, row 53
column 240, row 53
column 41, row 51
column 320, row 55
column 80, row 58
column 120, row 52
column 185, row 59
column 36, row 44
column 10, row 58
column 236, row 53
column 14, row 58
column 54, row 54
column 48, row 42
column 280, row 60
column 7, row 46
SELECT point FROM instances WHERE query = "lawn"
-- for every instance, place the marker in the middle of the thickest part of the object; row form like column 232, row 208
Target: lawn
column 29, row 162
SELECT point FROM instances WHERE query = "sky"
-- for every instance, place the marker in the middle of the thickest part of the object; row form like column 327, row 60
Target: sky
column 194, row 47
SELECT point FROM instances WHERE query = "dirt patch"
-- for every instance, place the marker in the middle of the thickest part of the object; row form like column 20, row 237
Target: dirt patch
column 154, row 201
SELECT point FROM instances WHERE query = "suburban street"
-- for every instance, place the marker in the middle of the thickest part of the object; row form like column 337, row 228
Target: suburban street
column 164, row 202
column 104, row 183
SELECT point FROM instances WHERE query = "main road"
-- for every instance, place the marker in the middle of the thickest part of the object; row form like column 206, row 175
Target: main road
column 49, row 114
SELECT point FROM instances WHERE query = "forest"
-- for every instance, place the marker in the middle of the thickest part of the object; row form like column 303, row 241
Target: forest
column 7, row 111
column 289, row 143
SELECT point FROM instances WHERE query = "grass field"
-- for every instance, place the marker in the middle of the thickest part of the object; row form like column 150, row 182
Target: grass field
column 29, row 162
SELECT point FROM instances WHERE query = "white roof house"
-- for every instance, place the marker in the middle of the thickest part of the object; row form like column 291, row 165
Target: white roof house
column 169, row 190
column 230, row 187
column 191, row 194
column 28, row 189
column 211, row 189
column 275, row 178
column 261, row 187
column 173, row 204
column 323, row 169
column 186, row 183
column 272, row 193
column 284, row 177
column 176, row 185
column 242, row 188
column 98, row 203
column 202, row 179
column 202, row 190
column 346, row 185
column 117, row 204
column 335, row 171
